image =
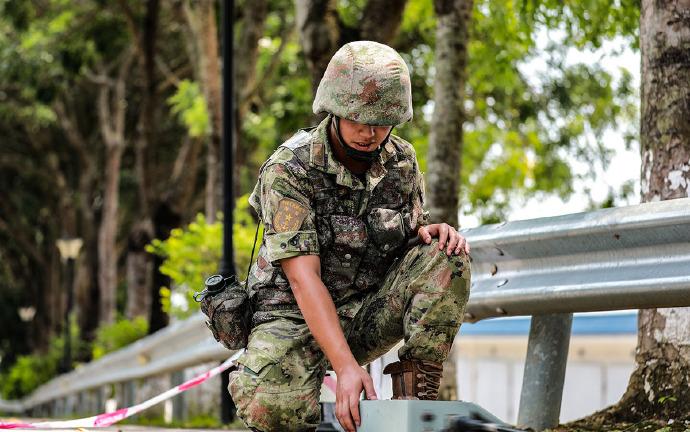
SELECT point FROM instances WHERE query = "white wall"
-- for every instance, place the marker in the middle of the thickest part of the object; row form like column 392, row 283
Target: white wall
column 489, row 372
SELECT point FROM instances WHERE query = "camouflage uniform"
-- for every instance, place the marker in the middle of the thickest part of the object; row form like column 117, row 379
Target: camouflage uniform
column 383, row 290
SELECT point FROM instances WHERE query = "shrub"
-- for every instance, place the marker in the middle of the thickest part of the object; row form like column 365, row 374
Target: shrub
column 193, row 253
column 119, row 334
column 30, row 371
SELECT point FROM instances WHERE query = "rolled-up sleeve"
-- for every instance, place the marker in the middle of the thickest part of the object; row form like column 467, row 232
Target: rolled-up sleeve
column 281, row 198
column 420, row 216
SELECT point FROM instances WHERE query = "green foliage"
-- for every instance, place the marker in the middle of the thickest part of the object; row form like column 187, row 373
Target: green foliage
column 666, row 399
column 31, row 371
column 193, row 253
column 190, row 254
column 190, row 106
column 526, row 128
column 523, row 133
column 118, row 335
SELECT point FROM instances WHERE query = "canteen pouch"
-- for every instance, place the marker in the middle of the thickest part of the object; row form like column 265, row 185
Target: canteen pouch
column 229, row 315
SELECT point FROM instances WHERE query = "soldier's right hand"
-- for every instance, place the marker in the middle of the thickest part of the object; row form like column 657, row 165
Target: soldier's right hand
column 351, row 380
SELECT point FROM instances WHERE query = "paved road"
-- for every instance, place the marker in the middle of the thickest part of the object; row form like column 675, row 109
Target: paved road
column 114, row 428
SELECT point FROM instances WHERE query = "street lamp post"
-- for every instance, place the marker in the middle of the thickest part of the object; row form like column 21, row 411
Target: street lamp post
column 227, row 263
column 69, row 250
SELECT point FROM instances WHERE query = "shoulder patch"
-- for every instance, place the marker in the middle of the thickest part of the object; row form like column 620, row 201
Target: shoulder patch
column 297, row 140
column 289, row 215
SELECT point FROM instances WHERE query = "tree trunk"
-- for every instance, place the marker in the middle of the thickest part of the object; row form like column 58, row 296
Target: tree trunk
column 201, row 21
column 660, row 385
column 107, row 235
column 164, row 220
column 244, row 73
column 381, row 20
column 139, row 263
column 322, row 31
column 139, row 271
column 445, row 139
column 319, row 30
column 111, row 117
column 86, row 267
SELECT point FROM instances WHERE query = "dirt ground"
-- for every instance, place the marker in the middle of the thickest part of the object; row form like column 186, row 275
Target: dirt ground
column 645, row 426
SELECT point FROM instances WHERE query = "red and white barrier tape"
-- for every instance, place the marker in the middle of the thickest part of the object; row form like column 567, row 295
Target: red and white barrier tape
column 107, row 419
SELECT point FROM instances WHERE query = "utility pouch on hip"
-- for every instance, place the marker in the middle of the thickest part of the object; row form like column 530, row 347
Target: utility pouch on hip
column 226, row 303
column 228, row 312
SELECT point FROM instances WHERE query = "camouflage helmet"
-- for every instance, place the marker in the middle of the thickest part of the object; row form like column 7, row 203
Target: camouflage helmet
column 366, row 82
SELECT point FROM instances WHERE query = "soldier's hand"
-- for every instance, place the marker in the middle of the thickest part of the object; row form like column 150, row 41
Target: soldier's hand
column 448, row 238
column 351, row 380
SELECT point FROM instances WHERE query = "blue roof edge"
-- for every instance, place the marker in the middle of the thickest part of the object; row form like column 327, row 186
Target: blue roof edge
column 583, row 324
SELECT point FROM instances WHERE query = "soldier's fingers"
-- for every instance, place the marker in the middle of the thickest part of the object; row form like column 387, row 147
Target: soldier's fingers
column 339, row 408
column 442, row 236
column 369, row 388
column 462, row 243
column 354, row 409
column 423, row 233
column 453, row 240
column 467, row 248
column 342, row 413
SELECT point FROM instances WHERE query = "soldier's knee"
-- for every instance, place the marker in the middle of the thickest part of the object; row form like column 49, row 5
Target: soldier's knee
column 267, row 407
column 459, row 264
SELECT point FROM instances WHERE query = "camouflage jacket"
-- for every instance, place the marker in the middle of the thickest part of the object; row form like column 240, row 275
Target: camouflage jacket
column 311, row 204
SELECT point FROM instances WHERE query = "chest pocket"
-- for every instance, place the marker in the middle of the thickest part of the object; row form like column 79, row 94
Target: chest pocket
column 349, row 241
column 388, row 228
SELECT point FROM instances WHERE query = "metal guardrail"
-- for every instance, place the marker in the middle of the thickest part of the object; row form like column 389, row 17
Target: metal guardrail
column 611, row 259
column 180, row 345
column 621, row 258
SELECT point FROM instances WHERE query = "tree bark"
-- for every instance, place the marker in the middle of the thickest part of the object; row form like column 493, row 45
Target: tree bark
column 164, row 220
column 319, row 29
column 139, row 273
column 86, row 268
column 139, row 263
column 201, row 20
column 445, row 140
column 111, row 116
column 246, row 50
column 660, row 385
column 381, row 20
column 322, row 31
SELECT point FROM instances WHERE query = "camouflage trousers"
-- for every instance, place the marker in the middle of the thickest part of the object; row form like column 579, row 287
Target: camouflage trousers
column 421, row 300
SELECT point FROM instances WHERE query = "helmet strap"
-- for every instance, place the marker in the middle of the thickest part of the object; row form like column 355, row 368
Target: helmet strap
column 358, row 155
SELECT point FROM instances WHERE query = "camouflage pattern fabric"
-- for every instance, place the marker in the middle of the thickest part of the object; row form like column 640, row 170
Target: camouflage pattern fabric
column 366, row 82
column 311, row 204
column 422, row 300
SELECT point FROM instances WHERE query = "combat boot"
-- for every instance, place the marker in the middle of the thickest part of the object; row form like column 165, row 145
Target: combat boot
column 415, row 379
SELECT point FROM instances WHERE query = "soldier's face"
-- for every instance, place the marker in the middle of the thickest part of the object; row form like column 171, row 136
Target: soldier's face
column 363, row 137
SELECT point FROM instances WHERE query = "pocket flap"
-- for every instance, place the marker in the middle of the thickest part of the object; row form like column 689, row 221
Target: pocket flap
column 387, row 228
column 256, row 361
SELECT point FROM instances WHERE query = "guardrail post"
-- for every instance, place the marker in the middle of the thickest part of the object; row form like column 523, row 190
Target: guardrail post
column 542, row 383
column 82, row 399
column 129, row 389
column 100, row 400
column 178, row 410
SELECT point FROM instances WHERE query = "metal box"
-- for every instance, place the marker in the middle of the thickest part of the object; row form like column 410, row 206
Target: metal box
column 411, row 415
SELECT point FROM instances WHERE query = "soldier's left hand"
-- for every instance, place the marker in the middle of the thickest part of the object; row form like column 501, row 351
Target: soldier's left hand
column 448, row 238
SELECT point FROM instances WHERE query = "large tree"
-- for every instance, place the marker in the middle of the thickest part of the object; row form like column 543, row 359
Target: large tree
column 453, row 18
column 323, row 29
column 660, row 385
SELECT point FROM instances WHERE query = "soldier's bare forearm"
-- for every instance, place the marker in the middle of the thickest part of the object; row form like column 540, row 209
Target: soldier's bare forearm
column 318, row 309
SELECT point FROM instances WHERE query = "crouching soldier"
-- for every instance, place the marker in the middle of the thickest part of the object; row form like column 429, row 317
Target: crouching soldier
column 339, row 280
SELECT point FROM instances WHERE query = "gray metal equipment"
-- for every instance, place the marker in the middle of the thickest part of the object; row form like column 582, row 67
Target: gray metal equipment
column 417, row 416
